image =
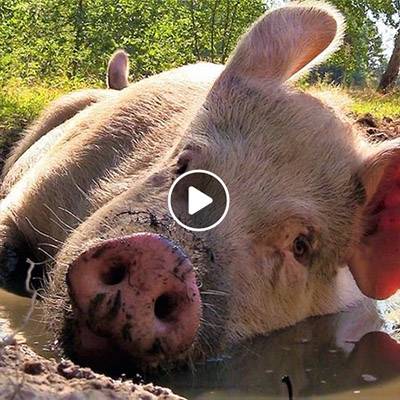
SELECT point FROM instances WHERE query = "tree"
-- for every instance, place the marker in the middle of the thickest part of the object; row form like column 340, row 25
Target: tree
column 64, row 39
column 52, row 39
column 390, row 10
column 391, row 73
column 216, row 25
column 361, row 51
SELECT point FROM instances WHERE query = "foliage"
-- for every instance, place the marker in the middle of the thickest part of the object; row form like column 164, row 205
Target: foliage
column 361, row 54
column 20, row 103
column 56, row 40
column 72, row 38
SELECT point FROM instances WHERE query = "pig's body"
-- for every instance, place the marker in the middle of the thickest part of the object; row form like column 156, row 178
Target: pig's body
column 91, row 194
column 81, row 166
column 124, row 134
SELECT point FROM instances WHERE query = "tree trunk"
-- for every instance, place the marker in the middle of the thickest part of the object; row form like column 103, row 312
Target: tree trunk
column 392, row 71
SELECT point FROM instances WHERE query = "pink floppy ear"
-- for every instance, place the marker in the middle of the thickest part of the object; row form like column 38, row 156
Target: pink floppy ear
column 375, row 260
column 287, row 41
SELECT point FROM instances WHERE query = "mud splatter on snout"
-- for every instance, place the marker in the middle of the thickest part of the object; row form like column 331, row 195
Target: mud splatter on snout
column 101, row 311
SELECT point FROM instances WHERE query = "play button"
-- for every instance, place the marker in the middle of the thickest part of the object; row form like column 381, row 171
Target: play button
column 198, row 200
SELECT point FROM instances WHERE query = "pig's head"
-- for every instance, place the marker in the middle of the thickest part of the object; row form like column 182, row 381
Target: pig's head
column 308, row 197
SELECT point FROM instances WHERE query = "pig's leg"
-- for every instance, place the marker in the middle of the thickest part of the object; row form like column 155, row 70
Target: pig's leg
column 30, row 158
column 54, row 115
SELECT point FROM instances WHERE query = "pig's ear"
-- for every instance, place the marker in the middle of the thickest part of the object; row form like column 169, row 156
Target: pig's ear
column 375, row 258
column 287, row 41
column 118, row 70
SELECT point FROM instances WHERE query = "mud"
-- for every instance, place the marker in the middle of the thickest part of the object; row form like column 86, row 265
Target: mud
column 26, row 375
column 379, row 130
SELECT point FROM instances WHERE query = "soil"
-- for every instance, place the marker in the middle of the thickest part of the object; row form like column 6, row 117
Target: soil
column 385, row 129
column 26, row 375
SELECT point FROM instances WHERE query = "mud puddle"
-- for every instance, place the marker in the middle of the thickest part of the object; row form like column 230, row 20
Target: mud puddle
column 14, row 309
column 343, row 356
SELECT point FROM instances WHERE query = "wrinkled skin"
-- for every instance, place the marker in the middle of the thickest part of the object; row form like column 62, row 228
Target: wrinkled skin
column 301, row 183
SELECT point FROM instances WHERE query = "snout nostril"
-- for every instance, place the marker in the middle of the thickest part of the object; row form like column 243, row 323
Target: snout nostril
column 114, row 275
column 165, row 306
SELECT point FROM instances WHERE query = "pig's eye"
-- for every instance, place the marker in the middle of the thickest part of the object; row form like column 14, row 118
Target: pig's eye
column 302, row 248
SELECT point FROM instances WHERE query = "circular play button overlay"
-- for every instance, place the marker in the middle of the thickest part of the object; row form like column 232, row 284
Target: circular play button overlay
column 198, row 200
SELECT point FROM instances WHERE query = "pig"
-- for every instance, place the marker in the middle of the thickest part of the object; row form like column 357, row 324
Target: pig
column 312, row 204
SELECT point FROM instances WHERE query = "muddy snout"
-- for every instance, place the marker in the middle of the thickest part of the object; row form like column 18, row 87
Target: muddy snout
column 137, row 294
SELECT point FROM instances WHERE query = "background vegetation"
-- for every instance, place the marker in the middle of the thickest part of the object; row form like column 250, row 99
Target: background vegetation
column 51, row 46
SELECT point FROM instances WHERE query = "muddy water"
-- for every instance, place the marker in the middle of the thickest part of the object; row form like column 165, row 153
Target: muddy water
column 13, row 310
column 352, row 355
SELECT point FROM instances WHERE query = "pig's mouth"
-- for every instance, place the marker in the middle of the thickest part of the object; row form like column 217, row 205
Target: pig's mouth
column 137, row 303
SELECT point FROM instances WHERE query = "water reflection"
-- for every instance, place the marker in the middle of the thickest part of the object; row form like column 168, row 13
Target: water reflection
column 13, row 310
column 342, row 356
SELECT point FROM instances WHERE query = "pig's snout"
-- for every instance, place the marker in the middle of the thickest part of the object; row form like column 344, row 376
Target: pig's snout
column 137, row 294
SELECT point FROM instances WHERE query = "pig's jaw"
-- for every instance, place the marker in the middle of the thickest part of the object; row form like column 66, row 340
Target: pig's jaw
column 102, row 355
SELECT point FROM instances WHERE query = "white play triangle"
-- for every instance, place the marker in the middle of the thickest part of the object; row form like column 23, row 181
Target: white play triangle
column 197, row 200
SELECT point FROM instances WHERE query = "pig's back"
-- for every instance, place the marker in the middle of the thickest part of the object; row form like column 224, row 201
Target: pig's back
column 172, row 94
column 123, row 134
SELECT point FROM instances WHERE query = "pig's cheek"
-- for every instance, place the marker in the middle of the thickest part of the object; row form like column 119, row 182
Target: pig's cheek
column 292, row 273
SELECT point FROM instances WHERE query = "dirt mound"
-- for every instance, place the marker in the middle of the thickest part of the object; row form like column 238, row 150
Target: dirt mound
column 385, row 129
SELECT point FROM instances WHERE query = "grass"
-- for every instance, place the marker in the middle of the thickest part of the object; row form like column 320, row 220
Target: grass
column 368, row 101
column 359, row 101
column 21, row 102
